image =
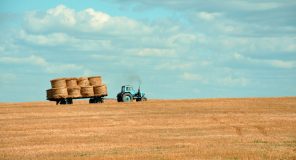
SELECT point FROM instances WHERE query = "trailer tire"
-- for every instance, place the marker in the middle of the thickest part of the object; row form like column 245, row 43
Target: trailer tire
column 63, row 101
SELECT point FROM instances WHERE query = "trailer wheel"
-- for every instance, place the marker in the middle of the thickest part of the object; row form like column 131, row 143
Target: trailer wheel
column 69, row 101
column 100, row 100
column 91, row 100
column 63, row 101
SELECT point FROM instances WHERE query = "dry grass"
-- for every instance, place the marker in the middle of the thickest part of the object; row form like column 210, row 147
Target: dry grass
column 230, row 129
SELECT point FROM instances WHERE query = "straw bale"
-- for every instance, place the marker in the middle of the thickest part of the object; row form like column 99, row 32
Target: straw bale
column 49, row 94
column 58, row 83
column 95, row 81
column 74, row 92
column 100, row 90
column 83, row 82
column 87, row 91
column 71, row 82
column 59, row 92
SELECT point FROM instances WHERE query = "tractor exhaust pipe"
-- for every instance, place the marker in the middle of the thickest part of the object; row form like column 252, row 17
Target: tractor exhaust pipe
column 139, row 89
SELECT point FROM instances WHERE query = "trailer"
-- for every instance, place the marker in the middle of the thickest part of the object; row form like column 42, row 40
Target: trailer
column 65, row 90
column 69, row 100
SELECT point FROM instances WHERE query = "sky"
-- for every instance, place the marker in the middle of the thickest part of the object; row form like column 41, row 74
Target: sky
column 173, row 48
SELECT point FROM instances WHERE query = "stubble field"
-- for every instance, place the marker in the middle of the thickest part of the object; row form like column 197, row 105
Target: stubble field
column 233, row 128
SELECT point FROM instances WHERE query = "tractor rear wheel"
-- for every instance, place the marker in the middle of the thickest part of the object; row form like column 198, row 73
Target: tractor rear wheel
column 127, row 97
column 119, row 98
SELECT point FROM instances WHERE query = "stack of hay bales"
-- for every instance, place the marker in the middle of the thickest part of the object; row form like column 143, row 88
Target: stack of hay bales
column 77, row 88
column 73, row 88
column 58, row 89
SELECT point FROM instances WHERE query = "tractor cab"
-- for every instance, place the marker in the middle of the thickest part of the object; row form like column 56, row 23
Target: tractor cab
column 127, row 94
column 128, row 88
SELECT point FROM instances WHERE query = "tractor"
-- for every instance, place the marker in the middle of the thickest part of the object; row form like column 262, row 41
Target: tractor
column 128, row 94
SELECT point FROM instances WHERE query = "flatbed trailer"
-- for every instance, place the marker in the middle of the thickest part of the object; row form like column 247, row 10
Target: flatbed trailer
column 65, row 90
column 69, row 100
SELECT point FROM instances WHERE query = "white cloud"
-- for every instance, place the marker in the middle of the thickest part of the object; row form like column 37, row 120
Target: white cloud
column 181, row 39
column 63, row 19
column 105, row 57
column 62, row 39
column 154, row 52
column 65, row 15
column 35, row 60
column 251, row 6
column 97, row 19
column 276, row 63
column 207, row 16
column 282, row 64
column 193, row 77
column 40, row 62
column 59, row 15
column 47, row 40
column 234, row 81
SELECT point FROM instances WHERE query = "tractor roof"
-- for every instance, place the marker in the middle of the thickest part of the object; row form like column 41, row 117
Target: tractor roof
column 127, row 85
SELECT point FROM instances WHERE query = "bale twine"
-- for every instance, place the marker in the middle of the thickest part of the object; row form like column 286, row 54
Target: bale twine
column 71, row 82
column 74, row 92
column 59, row 92
column 83, row 82
column 58, row 83
column 87, row 91
column 100, row 90
column 49, row 94
column 95, row 81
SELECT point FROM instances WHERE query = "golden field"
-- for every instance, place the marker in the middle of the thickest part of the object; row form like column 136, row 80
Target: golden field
column 229, row 128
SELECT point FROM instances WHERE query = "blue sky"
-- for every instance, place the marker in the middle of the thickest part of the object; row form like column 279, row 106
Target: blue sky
column 176, row 48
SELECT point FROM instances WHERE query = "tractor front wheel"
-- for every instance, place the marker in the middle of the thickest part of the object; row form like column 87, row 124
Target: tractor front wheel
column 127, row 97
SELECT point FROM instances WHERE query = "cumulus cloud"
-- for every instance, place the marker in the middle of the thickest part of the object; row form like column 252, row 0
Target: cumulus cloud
column 64, row 40
column 64, row 19
column 281, row 64
column 40, row 62
column 207, row 16
column 52, row 39
column 154, row 52
column 246, row 5
column 234, row 81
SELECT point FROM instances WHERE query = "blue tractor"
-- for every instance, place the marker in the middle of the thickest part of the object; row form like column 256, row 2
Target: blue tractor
column 128, row 94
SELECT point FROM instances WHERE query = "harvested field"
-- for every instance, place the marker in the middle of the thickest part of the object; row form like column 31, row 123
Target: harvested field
column 251, row 128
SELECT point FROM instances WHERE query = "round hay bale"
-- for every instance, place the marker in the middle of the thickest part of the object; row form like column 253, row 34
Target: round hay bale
column 100, row 90
column 83, row 82
column 74, row 92
column 59, row 93
column 58, row 83
column 49, row 94
column 95, row 81
column 71, row 82
column 87, row 91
